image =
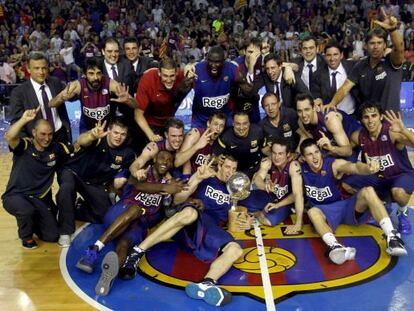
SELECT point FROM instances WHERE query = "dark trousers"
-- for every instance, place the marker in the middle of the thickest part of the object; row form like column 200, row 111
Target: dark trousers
column 96, row 199
column 33, row 215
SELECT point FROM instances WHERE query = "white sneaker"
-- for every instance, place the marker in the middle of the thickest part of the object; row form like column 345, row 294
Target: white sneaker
column 64, row 240
column 339, row 254
column 395, row 246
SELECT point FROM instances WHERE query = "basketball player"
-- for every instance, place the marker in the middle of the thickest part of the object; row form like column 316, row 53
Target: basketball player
column 386, row 142
column 129, row 220
column 94, row 92
column 279, row 185
column 198, row 143
column 329, row 208
column 200, row 232
column 331, row 130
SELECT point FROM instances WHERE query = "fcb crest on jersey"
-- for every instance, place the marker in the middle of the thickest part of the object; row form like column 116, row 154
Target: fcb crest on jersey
column 296, row 264
column 286, row 127
column 253, row 143
column 118, row 159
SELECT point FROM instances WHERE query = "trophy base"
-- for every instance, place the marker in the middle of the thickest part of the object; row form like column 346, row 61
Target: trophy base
column 239, row 213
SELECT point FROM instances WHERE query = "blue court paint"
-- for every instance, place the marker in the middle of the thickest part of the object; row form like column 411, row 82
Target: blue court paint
column 391, row 290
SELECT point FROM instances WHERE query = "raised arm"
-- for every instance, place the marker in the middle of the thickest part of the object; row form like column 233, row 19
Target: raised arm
column 400, row 135
column 71, row 90
column 390, row 23
column 122, row 94
column 12, row 134
column 148, row 153
column 192, row 143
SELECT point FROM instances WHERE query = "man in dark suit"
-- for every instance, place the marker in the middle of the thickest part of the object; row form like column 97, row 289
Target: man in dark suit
column 331, row 77
column 120, row 70
column 310, row 62
column 139, row 63
column 37, row 91
column 272, row 80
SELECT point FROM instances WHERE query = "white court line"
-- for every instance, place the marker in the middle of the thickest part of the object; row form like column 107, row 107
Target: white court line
column 267, row 286
column 73, row 286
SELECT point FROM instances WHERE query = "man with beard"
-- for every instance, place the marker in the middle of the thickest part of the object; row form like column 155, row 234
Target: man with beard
column 128, row 221
column 198, row 143
column 214, row 80
column 94, row 92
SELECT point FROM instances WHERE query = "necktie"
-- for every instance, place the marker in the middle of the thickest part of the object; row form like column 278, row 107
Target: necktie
column 277, row 89
column 310, row 74
column 114, row 74
column 48, row 111
column 333, row 83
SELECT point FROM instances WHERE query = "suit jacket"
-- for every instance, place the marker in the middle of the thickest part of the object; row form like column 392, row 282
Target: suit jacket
column 321, row 85
column 24, row 97
column 125, row 76
column 320, row 63
column 144, row 63
column 287, row 92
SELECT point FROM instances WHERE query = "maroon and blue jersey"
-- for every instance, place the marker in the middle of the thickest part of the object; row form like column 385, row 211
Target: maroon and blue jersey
column 322, row 187
column 216, row 199
column 349, row 124
column 282, row 181
column 212, row 94
column 392, row 161
column 200, row 157
column 151, row 202
column 94, row 104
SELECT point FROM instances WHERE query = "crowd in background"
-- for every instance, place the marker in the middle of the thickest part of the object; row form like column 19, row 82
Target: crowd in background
column 184, row 30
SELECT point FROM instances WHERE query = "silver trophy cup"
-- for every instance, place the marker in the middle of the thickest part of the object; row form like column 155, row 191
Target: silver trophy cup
column 238, row 187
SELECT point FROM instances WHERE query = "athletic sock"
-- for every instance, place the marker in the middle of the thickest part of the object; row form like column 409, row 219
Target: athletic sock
column 138, row 249
column 386, row 226
column 100, row 245
column 329, row 239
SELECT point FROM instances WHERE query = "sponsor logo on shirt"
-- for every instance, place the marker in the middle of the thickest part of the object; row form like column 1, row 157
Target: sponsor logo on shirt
column 201, row 159
column 98, row 113
column 215, row 102
column 287, row 134
column 280, row 192
column 149, row 199
column 319, row 194
column 381, row 76
column 384, row 161
column 217, row 195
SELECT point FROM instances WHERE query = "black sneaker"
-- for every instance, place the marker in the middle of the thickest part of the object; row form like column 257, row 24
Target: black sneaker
column 29, row 244
column 129, row 269
column 395, row 246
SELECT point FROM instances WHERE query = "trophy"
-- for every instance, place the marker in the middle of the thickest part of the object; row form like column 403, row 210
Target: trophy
column 238, row 187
